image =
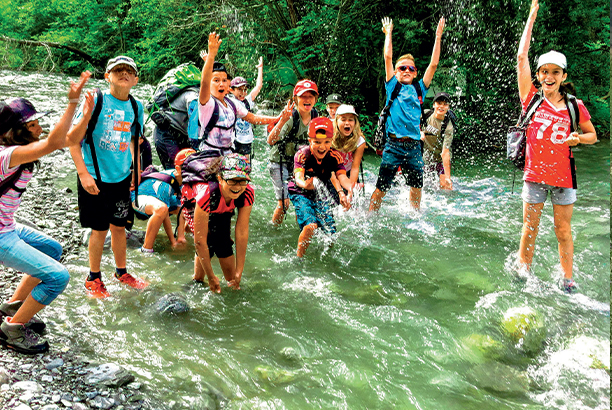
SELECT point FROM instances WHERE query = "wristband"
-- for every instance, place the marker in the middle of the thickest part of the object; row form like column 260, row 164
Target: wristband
column 73, row 101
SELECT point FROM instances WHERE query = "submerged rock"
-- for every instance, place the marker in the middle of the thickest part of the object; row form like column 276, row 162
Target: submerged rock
column 109, row 374
column 485, row 346
column 525, row 328
column 277, row 376
column 171, row 303
column 498, row 377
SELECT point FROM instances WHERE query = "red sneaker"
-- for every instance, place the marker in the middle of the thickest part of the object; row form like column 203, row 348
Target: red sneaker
column 96, row 289
column 132, row 281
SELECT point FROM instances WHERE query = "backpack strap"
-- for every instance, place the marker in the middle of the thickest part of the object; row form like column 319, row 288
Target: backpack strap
column 90, row 129
column 136, row 131
column 574, row 113
column 10, row 182
column 419, row 91
column 161, row 176
column 214, row 118
column 534, row 104
column 247, row 105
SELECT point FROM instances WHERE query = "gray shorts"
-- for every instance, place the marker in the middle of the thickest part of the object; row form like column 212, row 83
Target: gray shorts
column 535, row 193
column 280, row 184
column 144, row 200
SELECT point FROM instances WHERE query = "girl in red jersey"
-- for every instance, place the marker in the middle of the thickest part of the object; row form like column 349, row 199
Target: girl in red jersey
column 549, row 162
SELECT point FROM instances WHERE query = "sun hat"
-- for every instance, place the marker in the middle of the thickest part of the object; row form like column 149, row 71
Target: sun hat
column 321, row 123
column 305, row 85
column 333, row 99
column 552, row 57
column 239, row 82
column 114, row 62
column 182, row 155
column 25, row 110
column 235, row 166
column 345, row 109
column 8, row 119
column 442, row 96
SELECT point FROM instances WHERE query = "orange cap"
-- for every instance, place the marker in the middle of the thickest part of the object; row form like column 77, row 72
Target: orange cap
column 182, row 155
column 321, row 123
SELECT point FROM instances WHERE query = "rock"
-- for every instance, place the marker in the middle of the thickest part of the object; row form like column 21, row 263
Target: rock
column 47, row 378
column 171, row 303
column 28, row 386
column 79, row 406
column 67, row 403
column 276, row 376
column 109, row 374
column 23, row 406
column 525, row 328
column 27, row 397
column 134, row 386
column 91, row 394
column 54, row 364
column 484, row 346
column 4, row 376
column 50, row 407
column 498, row 377
column 100, row 402
column 56, row 398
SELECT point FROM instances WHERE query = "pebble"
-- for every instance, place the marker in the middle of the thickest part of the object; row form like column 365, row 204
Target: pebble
column 47, row 378
column 55, row 363
column 23, row 406
column 28, row 386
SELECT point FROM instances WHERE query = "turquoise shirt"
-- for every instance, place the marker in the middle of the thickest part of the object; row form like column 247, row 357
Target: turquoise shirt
column 404, row 118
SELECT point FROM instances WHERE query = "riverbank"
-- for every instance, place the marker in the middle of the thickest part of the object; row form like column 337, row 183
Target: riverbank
column 64, row 377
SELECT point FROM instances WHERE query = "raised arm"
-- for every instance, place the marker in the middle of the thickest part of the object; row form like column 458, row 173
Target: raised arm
column 387, row 28
column 523, row 70
column 57, row 137
column 255, row 91
column 209, row 59
column 435, row 55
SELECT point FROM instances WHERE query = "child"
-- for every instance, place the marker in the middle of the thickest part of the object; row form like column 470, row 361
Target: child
column 288, row 136
column 243, row 144
column 158, row 198
column 23, row 248
column 349, row 140
column 104, row 202
column 437, row 146
column 332, row 102
column 317, row 161
column 211, row 220
column 214, row 87
column 403, row 146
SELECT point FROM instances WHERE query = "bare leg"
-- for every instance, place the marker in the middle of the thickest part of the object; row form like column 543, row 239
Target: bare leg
column 531, row 223
column 305, row 238
column 563, row 230
column 24, row 288
column 376, row 199
column 96, row 247
column 279, row 212
column 158, row 216
column 28, row 309
column 228, row 266
column 119, row 245
column 415, row 197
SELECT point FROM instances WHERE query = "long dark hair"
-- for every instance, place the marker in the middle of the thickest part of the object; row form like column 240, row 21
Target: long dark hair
column 20, row 135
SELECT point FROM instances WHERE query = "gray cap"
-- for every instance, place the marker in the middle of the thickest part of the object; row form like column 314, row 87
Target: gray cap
column 333, row 98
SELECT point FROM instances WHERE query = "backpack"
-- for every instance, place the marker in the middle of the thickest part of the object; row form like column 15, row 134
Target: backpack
column 11, row 181
column 193, row 127
column 152, row 173
column 200, row 167
column 379, row 139
column 450, row 116
column 180, row 79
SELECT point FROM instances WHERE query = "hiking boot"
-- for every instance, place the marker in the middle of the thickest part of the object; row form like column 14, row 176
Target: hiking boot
column 96, row 289
column 21, row 338
column 132, row 281
column 9, row 309
column 569, row 286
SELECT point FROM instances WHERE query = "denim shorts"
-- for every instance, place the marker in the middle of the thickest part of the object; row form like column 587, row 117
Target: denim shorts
column 36, row 254
column 310, row 211
column 535, row 193
column 404, row 154
column 280, row 184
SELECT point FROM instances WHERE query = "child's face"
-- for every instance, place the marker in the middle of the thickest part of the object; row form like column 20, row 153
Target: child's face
column 240, row 92
column 232, row 188
column 346, row 124
column 34, row 127
column 331, row 109
column 122, row 76
column 306, row 101
column 319, row 147
column 403, row 71
column 219, row 84
column 441, row 108
column 551, row 76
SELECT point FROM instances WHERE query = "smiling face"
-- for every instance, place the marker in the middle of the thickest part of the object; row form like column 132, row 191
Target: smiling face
column 405, row 76
column 440, row 108
column 219, row 84
column 551, row 76
column 346, row 124
column 232, row 188
column 320, row 146
column 122, row 77
column 35, row 128
column 240, row 92
column 306, row 101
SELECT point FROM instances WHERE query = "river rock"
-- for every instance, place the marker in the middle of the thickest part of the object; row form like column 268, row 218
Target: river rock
column 4, row 376
column 498, row 377
column 54, row 363
column 100, row 402
column 525, row 328
column 484, row 346
column 28, row 386
column 23, row 406
column 171, row 303
column 109, row 374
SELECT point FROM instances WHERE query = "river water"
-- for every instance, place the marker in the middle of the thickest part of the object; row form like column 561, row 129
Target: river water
column 402, row 310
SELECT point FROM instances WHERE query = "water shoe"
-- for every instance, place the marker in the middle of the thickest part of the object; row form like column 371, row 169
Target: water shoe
column 132, row 281
column 569, row 286
column 96, row 289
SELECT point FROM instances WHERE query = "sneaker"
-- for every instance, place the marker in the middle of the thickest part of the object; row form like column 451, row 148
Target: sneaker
column 569, row 286
column 96, row 289
column 132, row 281
column 9, row 309
column 21, row 338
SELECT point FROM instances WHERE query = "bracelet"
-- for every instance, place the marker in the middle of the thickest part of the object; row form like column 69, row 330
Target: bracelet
column 340, row 191
column 73, row 101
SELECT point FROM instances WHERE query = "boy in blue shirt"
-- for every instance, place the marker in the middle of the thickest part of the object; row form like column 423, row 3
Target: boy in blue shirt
column 104, row 201
column 403, row 147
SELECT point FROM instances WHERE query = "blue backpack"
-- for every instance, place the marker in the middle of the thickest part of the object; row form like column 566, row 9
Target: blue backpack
column 193, row 127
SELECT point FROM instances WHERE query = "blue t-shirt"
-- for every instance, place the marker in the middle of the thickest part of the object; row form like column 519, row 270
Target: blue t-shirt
column 404, row 118
column 112, row 137
column 160, row 190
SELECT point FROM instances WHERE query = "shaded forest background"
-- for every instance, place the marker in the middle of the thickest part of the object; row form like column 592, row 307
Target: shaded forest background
column 336, row 43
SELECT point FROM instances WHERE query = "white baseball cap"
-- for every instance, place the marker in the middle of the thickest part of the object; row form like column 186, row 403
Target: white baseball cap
column 553, row 57
column 345, row 109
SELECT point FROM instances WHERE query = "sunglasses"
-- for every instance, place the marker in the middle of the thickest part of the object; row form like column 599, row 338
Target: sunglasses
column 234, row 182
column 128, row 70
column 407, row 67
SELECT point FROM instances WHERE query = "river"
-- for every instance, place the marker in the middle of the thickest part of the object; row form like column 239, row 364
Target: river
column 402, row 311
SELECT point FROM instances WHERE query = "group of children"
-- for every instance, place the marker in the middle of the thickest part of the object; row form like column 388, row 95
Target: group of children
column 310, row 155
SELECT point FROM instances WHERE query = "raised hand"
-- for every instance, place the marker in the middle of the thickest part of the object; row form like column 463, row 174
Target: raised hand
column 88, row 105
column 387, row 25
column 440, row 28
column 213, row 43
column 203, row 54
column 74, row 92
column 260, row 64
column 533, row 11
column 287, row 111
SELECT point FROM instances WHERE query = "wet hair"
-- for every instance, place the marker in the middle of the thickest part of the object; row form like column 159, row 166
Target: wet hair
column 404, row 57
column 346, row 144
column 20, row 135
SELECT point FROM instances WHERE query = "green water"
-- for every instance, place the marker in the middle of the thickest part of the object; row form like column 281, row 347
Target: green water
column 402, row 311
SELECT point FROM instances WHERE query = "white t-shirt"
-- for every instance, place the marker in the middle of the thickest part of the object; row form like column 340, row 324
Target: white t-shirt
column 244, row 130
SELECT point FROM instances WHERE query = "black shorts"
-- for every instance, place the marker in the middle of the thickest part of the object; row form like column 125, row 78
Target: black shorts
column 219, row 239
column 242, row 149
column 112, row 205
